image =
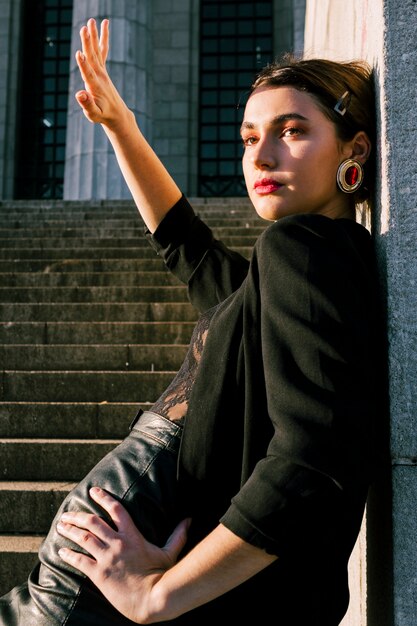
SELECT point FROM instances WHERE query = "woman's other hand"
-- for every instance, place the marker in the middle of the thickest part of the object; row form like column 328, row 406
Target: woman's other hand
column 121, row 563
column 99, row 100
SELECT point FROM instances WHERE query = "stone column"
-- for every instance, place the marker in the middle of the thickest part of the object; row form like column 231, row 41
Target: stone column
column 10, row 40
column 91, row 170
column 398, row 251
column 289, row 19
column 384, row 32
column 175, row 62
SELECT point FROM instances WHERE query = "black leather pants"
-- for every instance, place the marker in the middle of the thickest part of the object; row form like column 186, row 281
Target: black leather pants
column 141, row 473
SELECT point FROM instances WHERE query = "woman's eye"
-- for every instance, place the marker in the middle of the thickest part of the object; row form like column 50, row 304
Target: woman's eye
column 248, row 141
column 291, row 132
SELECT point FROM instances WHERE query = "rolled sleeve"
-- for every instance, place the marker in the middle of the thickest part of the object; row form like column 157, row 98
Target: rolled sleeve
column 190, row 251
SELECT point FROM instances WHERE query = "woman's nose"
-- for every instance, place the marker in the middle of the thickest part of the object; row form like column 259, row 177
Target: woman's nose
column 264, row 154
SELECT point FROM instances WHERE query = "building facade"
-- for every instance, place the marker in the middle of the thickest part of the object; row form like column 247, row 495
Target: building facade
column 183, row 67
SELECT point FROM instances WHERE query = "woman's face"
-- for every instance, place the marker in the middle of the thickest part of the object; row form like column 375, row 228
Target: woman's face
column 291, row 156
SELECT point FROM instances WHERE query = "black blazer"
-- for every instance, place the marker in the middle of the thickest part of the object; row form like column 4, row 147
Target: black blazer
column 277, row 442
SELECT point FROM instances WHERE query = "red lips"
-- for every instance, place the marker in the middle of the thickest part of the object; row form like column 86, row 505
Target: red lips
column 266, row 185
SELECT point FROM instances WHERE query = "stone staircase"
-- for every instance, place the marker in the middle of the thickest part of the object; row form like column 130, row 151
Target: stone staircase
column 92, row 326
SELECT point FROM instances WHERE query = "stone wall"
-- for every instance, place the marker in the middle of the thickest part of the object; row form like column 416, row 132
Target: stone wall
column 383, row 32
column 175, row 60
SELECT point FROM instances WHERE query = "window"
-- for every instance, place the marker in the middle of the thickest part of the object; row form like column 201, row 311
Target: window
column 43, row 98
column 236, row 42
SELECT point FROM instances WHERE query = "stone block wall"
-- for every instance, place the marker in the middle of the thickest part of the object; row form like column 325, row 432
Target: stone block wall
column 175, row 58
column 383, row 32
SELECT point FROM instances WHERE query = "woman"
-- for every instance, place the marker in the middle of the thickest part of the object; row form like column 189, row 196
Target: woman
column 276, row 452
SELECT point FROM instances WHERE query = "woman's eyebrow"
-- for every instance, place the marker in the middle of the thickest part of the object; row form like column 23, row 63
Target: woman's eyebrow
column 276, row 121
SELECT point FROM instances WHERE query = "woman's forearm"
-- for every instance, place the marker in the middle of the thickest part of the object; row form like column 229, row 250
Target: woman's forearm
column 216, row 565
column 153, row 189
column 145, row 582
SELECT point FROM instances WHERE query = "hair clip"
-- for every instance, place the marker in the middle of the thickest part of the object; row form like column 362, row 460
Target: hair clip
column 341, row 105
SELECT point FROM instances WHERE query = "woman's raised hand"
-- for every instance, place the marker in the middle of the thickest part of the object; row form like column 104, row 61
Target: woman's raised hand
column 153, row 189
column 121, row 563
column 99, row 100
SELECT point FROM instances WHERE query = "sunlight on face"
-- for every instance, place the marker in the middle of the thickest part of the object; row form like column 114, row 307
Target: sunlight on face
column 291, row 155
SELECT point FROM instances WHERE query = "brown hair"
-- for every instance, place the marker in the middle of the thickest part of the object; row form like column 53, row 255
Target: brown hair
column 327, row 81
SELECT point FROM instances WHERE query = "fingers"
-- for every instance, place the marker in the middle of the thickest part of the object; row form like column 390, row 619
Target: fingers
column 177, row 539
column 82, row 97
column 84, row 67
column 88, row 531
column 91, row 63
column 117, row 512
column 86, row 43
column 104, row 40
column 79, row 561
column 89, row 107
column 86, row 540
column 92, row 31
column 94, row 47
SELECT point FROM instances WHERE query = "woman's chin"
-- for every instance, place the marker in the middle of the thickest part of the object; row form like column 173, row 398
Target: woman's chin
column 268, row 208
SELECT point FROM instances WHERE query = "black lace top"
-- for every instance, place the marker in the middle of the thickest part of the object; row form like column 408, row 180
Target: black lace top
column 173, row 403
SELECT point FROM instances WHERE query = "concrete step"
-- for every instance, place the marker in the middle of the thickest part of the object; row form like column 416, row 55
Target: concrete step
column 127, row 220
column 93, row 328
column 76, row 242
column 142, row 357
column 63, row 207
column 30, row 506
column 95, row 332
column 80, row 219
column 98, row 312
column 177, row 293
column 117, row 231
column 68, row 420
column 82, row 265
column 60, row 460
column 94, row 230
column 18, row 556
column 69, row 254
column 83, row 386
column 221, row 206
column 87, row 279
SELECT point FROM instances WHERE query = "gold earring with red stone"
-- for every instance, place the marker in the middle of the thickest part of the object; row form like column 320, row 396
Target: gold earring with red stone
column 349, row 175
